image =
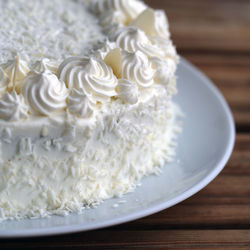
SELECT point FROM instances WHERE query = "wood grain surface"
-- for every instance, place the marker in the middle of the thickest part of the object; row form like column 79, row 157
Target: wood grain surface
column 215, row 36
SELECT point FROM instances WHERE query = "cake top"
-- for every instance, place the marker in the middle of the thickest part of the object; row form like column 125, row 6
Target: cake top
column 68, row 57
column 39, row 29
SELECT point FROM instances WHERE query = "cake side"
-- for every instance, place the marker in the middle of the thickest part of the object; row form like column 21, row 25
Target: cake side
column 88, row 122
column 108, row 159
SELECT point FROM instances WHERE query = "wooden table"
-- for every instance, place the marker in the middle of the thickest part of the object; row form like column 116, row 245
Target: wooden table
column 215, row 36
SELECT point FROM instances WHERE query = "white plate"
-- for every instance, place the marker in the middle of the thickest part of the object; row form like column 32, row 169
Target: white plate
column 204, row 147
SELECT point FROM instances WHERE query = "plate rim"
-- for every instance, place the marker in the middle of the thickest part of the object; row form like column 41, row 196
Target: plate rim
column 155, row 208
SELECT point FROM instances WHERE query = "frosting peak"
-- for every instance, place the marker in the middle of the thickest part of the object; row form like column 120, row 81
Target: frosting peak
column 127, row 91
column 137, row 68
column 80, row 104
column 90, row 74
column 127, row 10
column 133, row 39
column 13, row 107
column 153, row 23
column 134, row 67
column 44, row 93
column 46, row 64
column 16, row 70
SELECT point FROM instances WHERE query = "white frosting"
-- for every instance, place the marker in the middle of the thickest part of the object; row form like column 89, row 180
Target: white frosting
column 134, row 67
column 165, row 73
column 110, row 19
column 137, row 68
column 13, row 107
column 153, row 23
column 4, row 81
column 44, row 93
column 46, row 64
column 105, row 49
column 124, row 10
column 16, row 70
column 54, row 29
column 90, row 74
column 166, row 46
column 80, row 104
column 127, row 91
column 84, row 164
column 132, row 39
column 161, row 26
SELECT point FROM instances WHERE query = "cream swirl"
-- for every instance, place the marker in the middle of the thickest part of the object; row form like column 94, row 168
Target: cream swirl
column 165, row 73
column 44, row 93
column 16, row 70
column 110, row 21
column 13, row 107
column 137, row 68
column 80, row 104
column 134, row 67
column 127, row 10
column 166, row 46
column 161, row 25
column 153, row 23
column 45, row 64
column 127, row 91
column 110, row 17
column 105, row 49
column 165, row 70
column 90, row 74
column 132, row 39
column 4, row 81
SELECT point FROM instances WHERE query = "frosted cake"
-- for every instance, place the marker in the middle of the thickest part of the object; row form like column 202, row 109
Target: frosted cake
column 85, row 102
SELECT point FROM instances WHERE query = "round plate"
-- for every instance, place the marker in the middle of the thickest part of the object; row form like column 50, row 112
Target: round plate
column 204, row 147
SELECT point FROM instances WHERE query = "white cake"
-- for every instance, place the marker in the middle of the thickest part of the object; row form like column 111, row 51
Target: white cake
column 85, row 102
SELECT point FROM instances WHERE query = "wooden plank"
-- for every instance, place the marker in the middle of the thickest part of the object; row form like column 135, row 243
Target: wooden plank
column 208, row 25
column 224, row 69
column 242, row 118
column 230, row 185
column 239, row 164
column 109, row 239
column 242, row 143
column 196, row 216
column 237, row 96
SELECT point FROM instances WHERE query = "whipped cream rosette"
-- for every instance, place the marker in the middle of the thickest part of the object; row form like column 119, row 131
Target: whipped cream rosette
column 91, row 75
column 44, row 93
column 128, row 91
column 134, row 67
column 13, row 107
column 133, row 39
column 16, row 70
column 126, row 10
column 80, row 104
column 153, row 23
column 46, row 64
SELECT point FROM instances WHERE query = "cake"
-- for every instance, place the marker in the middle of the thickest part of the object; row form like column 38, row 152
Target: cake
column 86, row 106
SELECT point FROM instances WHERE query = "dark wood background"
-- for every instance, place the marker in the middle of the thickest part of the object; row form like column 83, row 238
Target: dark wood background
column 215, row 36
